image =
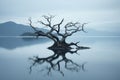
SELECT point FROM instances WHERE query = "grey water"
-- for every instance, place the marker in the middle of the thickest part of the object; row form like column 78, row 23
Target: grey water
column 102, row 60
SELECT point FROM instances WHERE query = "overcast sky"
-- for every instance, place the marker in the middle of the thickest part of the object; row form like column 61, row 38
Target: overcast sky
column 92, row 11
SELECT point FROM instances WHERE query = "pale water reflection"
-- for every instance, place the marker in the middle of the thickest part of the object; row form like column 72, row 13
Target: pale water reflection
column 102, row 60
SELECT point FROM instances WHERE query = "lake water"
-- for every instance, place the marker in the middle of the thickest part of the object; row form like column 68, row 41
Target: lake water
column 101, row 61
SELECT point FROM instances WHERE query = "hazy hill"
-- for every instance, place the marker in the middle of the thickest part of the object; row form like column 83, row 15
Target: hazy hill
column 13, row 29
column 92, row 32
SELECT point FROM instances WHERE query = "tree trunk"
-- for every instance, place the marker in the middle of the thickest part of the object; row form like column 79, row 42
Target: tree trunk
column 60, row 45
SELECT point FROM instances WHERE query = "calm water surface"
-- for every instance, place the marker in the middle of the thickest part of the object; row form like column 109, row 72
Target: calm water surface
column 102, row 61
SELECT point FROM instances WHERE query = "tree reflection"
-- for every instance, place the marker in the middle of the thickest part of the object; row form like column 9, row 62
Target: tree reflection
column 57, row 61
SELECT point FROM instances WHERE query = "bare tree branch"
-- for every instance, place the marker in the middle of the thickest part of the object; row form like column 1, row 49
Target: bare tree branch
column 71, row 28
column 30, row 23
column 55, row 33
column 83, row 26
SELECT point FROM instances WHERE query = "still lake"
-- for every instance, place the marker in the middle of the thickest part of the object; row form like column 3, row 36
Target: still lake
column 102, row 60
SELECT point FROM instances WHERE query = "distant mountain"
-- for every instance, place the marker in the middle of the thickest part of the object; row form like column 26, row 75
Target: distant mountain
column 13, row 29
column 28, row 34
column 92, row 32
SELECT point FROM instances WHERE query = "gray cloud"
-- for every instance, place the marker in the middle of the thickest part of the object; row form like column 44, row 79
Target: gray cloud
column 24, row 7
column 86, row 10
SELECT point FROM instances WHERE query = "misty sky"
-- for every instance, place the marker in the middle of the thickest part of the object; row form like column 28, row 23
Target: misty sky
column 94, row 12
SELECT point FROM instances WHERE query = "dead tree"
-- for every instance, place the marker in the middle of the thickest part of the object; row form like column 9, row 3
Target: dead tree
column 55, row 34
column 60, row 46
